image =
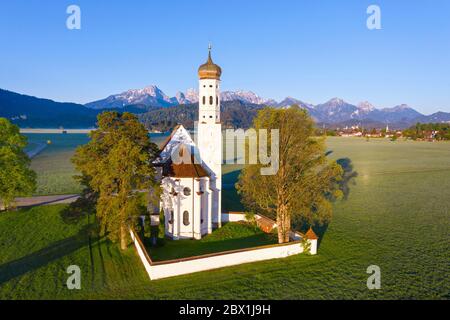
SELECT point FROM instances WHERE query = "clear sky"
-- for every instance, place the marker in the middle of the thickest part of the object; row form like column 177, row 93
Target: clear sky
column 311, row 50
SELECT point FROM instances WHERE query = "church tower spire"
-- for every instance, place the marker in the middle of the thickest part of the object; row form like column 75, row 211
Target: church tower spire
column 209, row 132
column 209, row 91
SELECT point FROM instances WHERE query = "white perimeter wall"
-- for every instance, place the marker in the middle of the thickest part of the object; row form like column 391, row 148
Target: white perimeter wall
column 178, row 267
column 223, row 260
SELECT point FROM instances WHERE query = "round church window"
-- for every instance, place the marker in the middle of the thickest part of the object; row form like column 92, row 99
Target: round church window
column 187, row 191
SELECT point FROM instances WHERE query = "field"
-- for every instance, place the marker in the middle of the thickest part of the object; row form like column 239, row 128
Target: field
column 397, row 216
column 53, row 166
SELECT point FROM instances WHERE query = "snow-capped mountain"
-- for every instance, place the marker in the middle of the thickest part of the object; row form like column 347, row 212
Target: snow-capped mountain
column 333, row 111
column 155, row 97
column 149, row 96
column 191, row 95
column 289, row 101
column 245, row 96
column 365, row 107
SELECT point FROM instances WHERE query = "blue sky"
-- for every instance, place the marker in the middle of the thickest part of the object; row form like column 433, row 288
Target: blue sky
column 311, row 50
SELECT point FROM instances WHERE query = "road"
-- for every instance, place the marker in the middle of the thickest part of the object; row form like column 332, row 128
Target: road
column 44, row 200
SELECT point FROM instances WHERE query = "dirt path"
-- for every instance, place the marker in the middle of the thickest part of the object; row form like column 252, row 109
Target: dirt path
column 45, row 200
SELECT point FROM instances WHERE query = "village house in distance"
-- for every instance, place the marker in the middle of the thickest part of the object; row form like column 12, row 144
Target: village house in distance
column 190, row 173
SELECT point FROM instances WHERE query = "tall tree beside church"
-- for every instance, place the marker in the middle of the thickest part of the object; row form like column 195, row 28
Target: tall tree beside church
column 116, row 164
column 16, row 177
column 306, row 181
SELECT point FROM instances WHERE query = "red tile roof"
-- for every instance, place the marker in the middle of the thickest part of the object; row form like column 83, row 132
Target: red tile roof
column 311, row 235
column 188, row 169
column 184, row 170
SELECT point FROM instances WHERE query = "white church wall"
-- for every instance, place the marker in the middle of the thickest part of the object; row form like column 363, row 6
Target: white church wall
column 205, row 223
column 186, row 266
column 189, row 201
column 168, row 204
column 313, row 247
column 233, row 217
column 186, row 205
column 197, row 209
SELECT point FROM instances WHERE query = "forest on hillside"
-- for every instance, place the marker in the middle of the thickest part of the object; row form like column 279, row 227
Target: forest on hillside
column 234, row 114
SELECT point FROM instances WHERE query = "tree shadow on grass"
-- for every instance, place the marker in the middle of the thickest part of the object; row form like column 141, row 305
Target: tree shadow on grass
column 77, row 210
column 348, row 179
column 349, row 176
column 231, row 201
column 320, row 231
column 44, row 256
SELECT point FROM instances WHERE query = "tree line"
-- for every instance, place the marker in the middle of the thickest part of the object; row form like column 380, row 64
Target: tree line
column 435, row 131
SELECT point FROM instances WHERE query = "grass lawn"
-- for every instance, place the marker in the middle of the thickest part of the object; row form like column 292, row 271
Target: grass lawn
column 232, row 236
column 397, row 216
column 53, row 166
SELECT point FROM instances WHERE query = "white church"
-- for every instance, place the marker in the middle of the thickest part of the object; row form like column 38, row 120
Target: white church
column 190, row 171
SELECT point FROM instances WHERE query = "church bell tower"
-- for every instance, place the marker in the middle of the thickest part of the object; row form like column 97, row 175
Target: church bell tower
column 209, row 132
column 209, row 91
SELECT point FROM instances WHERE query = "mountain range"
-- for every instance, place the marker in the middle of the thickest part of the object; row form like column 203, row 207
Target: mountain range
column 155, row 97
column 333, row 112
column 159, row 110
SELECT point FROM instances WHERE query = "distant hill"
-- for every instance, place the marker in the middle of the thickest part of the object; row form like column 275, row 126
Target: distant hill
column 160, row 112
column 31, row 112
column 234, row 114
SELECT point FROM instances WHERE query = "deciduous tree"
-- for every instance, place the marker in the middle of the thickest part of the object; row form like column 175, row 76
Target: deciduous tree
column 306, row 181
column 16, row 177
column 116, row 165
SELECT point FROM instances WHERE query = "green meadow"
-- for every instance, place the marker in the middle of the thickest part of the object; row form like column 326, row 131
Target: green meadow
column 397, row 216
column 54, row 169
column 53, row 166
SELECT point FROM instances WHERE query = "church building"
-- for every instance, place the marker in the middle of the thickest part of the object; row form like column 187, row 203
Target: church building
column 191, row 169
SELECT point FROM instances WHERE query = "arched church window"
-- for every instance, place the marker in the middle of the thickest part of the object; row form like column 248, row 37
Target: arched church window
column 204, row 100
column 186, row 218
column 211, row 100
column 171, row 216
column 217, row 100
column 187, row 192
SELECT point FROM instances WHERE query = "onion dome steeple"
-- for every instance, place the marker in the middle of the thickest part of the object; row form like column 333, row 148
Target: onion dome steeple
column 209, row 70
